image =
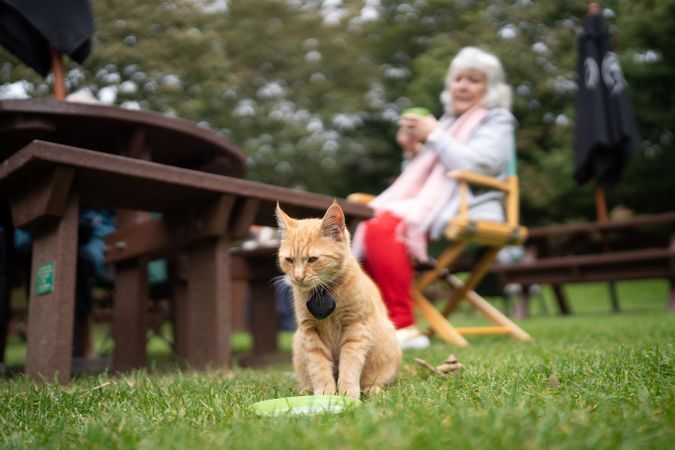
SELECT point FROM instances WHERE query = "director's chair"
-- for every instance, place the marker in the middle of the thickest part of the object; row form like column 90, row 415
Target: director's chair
column 463, row 232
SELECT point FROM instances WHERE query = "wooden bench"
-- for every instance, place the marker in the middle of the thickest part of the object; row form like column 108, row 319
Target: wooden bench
column 630, row 249
column 202, row 213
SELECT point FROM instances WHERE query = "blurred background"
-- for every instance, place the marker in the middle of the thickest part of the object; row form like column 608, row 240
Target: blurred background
column 312, row 90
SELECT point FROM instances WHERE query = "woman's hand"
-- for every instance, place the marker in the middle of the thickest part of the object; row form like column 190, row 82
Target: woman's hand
column 407, row 142
column 419, row 127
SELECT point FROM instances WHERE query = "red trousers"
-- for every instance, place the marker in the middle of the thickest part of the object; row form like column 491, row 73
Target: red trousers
column 388, row 264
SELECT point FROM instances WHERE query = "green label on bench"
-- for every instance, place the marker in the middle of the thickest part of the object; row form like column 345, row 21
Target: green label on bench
column 44, row 278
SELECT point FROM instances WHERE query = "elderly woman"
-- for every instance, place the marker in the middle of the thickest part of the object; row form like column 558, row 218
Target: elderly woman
column 475, row 133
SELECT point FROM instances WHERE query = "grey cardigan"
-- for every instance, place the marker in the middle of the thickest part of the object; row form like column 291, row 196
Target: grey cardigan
column 487, row 151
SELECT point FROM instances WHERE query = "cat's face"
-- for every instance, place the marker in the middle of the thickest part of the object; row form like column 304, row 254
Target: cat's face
column 312, row 251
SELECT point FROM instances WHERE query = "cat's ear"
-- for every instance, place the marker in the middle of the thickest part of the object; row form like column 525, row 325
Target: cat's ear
column 283, row 220
column 333, row 222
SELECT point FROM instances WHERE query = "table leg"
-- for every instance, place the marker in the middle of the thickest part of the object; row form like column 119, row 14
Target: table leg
column 264, row 323
column 130, row 315
column 6, row 244
column 614, row 296
column 178, row 280
column 205, row 327
column 521, row 308
column 52, row 297
column 560, row 297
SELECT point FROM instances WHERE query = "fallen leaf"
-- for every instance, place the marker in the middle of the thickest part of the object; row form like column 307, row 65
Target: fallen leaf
column 554, row 381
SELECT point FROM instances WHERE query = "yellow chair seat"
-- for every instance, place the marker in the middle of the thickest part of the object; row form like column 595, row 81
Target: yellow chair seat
column 485, row 232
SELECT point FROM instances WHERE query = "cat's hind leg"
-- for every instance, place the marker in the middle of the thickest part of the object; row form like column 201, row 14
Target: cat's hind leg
column 373, row 389
column 380, row 369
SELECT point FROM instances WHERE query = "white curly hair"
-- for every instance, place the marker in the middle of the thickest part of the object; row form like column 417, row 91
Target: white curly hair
column 498, row 93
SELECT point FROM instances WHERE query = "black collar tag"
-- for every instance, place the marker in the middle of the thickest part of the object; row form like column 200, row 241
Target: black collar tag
column 320, row 304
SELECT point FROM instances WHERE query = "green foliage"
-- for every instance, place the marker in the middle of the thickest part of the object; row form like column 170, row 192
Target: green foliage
column 313, row 101
column 648, row 182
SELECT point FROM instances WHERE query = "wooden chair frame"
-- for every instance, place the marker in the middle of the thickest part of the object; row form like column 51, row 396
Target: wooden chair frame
column 462, row 231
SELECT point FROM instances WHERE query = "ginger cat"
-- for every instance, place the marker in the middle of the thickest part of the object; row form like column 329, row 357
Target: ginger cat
column 345, row 342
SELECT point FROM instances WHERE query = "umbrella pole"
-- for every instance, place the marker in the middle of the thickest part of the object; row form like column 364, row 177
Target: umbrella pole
column 58, row 73
column 600, row 204
column 601, row 211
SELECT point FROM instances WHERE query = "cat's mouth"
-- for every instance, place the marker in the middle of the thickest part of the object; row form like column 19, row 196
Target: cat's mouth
column 305, row 285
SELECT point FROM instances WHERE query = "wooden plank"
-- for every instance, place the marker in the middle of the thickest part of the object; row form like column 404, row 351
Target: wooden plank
column 206, row 328
column 608, row 259
column 109, row 129
column 146, row 238
column 130, row 316
column 482, row 331
column 594, row 227
column 120, row 182
column 259, row 267
column 461, row 290
column 162, row 236
column 264, row 321
column 479, row 179
column 244, row 217
column 42, row 199
column 52, row 297
column 438, row 323
column 206, row 219
column 561, row 275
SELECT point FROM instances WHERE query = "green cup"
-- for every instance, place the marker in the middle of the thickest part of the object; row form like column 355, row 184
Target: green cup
column 417, row 110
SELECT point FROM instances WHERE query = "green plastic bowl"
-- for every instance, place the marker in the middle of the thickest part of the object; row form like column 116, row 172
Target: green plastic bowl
column 305, row 405
column 417, row 110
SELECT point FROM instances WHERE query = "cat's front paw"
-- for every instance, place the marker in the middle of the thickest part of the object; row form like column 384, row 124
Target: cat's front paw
column 352, row 390
column 328, row 389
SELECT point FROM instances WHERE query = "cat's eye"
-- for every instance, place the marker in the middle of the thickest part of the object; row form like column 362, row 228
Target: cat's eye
column 290, row 260
column 312, row 259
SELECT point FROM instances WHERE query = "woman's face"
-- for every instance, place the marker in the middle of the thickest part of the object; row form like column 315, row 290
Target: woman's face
column 468, row 89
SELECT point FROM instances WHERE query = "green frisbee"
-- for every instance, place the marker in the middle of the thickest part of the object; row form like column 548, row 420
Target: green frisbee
column 304, row 405
column 417, row 110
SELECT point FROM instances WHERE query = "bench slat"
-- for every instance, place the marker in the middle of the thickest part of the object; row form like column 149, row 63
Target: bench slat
column 115, row 181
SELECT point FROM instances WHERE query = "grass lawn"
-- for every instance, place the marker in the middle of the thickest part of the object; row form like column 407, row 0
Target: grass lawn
column 594, row 380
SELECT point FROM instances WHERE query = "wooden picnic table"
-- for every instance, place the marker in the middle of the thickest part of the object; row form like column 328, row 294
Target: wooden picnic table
column 109, row 129
column 641, row 247
column 143, row 135
column 47, row 183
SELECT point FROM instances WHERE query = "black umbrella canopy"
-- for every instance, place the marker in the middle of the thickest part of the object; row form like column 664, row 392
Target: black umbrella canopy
column 606, row 135
column 31, row 29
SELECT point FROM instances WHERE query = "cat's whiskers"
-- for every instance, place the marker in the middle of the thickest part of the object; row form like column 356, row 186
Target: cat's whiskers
column 280, row 280
column 327, row 287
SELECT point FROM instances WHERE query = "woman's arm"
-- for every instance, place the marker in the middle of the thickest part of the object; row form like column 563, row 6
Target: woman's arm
column 487, row 151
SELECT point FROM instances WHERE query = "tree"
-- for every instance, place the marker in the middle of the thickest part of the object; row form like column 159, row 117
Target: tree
column 312, row 90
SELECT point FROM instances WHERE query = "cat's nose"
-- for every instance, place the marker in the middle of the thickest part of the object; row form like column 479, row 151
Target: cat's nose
column 299, row 274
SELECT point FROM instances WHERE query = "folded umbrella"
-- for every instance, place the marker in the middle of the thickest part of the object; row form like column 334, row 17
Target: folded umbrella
column 31, row 29
column 606, row 134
